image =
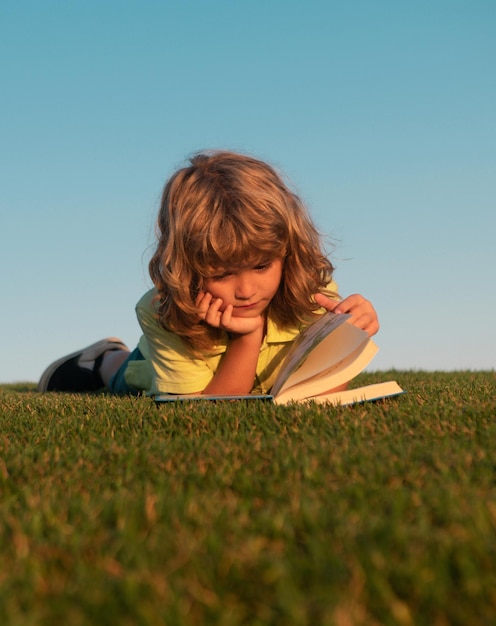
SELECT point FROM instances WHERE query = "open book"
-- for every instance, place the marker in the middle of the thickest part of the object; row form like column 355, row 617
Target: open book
column 326, row 355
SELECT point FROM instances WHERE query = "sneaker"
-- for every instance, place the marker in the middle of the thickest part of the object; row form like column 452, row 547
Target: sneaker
column 79, row 371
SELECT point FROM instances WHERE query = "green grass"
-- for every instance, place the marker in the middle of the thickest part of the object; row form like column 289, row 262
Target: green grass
column 115, row 512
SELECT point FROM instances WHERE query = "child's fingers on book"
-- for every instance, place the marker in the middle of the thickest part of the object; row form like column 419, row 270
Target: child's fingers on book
column 326, row 302
column 351, row 303
column 373, row 328
column 357, row 306
column 366, row 322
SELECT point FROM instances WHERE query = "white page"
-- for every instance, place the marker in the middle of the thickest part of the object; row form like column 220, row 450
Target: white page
column 323, row 356
column 345, row 370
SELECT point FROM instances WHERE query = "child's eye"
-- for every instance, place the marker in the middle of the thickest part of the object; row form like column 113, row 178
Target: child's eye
column 222, row 276
column 263, row 266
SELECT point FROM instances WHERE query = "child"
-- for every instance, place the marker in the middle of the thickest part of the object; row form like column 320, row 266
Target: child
column 238, row 272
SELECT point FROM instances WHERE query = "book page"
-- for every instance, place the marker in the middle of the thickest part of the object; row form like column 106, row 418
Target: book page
column 368, row 393
column 324, row 353
column 305, row 343
column 350, row 366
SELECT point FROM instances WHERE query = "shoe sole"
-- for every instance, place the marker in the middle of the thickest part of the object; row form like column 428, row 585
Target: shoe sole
column 98, row 348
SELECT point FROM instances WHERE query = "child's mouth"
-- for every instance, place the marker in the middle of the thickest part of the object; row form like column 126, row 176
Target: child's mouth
column 246, row 306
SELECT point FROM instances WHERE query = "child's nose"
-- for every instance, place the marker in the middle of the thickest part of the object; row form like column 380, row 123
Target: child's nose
column 245, row 286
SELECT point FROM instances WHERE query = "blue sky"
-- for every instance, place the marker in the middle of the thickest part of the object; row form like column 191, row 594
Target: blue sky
column 382, row 115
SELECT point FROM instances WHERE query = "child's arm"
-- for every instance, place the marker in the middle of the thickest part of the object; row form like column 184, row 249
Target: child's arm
column 361, row 310
column 236, row 372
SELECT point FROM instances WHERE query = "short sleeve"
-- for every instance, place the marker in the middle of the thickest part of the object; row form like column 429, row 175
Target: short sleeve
column 175, row 368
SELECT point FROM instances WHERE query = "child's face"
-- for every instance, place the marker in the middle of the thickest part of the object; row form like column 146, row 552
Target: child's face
column 249, row 289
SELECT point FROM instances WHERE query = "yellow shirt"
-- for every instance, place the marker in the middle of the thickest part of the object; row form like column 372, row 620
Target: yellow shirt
column 170, row 367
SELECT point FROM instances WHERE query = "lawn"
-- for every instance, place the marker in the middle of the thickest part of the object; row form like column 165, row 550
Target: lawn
column 114, row 511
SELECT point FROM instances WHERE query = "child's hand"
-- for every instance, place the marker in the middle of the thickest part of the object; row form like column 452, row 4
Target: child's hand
column 210, row 311
column 361, row 310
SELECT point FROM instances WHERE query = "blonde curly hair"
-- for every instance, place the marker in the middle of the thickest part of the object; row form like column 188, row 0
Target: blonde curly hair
column 229, row 210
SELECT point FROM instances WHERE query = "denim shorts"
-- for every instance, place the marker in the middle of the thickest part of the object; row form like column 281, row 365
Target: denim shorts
column 118, row 384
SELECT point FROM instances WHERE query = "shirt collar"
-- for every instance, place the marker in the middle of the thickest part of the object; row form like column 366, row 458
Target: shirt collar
column 280, row 335
column 274, row 335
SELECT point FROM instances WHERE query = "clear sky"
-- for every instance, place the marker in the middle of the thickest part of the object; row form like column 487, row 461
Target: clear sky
column 382, row 114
